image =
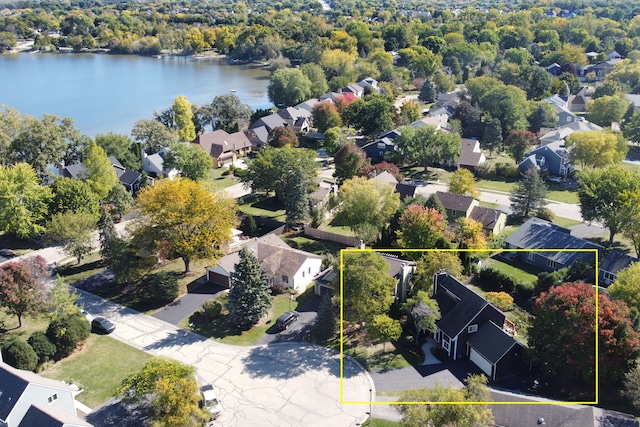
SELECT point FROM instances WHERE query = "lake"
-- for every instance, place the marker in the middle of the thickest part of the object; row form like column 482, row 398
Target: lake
column 109, row 93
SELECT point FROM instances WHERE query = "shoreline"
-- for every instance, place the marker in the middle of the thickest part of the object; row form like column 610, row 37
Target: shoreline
column 27, row 47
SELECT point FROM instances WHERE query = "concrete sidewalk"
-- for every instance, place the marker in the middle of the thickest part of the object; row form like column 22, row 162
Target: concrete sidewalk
column 284, row 384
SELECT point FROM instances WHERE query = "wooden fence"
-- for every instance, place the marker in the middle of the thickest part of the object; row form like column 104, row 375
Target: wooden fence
column 332, row 237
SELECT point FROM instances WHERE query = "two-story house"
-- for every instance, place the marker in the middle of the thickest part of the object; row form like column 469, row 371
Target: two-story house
column 29, row 400
column 472, row 327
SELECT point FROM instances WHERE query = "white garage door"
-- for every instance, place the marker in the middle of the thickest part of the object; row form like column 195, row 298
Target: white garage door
column 481, row 362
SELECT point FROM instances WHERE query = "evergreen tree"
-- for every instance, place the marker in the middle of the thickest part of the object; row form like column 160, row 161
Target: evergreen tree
column 428, row 92
column 528, row 194
column 296, row 204
column 434, row 202
column 108, row 234
column 249, row 297
column 326, row 322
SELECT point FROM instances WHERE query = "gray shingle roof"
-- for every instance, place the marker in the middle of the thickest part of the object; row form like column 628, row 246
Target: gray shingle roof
column 540, row 234
column 616, row 261
column 456, row 202
column 491, row 341
column 467, row 305
column 50, row 417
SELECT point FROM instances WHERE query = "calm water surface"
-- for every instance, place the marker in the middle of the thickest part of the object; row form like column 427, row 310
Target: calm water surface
column 109, row 93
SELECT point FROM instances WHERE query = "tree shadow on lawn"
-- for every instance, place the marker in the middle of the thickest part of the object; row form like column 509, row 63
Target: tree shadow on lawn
column 119, row 414
column 288, row 360
column 271, row 204
column 72, row 269
column 135, row 296
column 217, row 328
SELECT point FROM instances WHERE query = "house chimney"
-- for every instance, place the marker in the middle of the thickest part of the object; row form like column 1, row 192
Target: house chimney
column 61, row 167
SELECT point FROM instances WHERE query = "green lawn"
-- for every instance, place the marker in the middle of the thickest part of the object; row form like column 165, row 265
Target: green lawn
column 521, row 272
column 308, row 244
column 378, row 422
column 217, row 180
column 488, row 204
column 565, row 222
column 9, row 326
column 562, row 195
column 417, row 173
column 98, row 367
column 342, row 230
column 504, row 185
column 220, row 329
column 265, row 207
column 74, row 272
column 137, row 296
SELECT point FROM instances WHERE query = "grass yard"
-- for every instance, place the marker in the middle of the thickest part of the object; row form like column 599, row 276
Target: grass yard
column 565, row 222
column 74, row 272
column 218, row 181
column 378, row 422
column 360, row 346
column 9, row 326
column 220, row 329
column 314, row 246
column 562, row 195
column 489, row 205
column 264, row 207
column 417, row 173
column 519, row 271
column 342, row 230
column 98, row 367
column 16, row 245
column 137, row 295
column 500, row 184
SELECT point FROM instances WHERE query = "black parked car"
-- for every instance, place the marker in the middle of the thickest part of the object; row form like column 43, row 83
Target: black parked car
column 286, row 319
column 102, row 325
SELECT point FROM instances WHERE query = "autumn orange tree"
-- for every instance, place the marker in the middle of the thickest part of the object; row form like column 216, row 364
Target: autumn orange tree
column 420, row 228
column 183, row 219
column 562, row 336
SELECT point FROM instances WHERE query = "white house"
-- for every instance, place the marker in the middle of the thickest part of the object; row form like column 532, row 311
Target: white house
column 154, row 164
column 284, row 266
column 27, row 399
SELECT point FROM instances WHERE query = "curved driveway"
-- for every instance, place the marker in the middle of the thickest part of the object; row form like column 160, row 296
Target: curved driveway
column 283, row 384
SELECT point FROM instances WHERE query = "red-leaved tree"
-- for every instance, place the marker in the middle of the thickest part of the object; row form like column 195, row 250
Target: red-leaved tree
column 283, row 135
column 22, row 286
column 562, row 335
column 371, row 171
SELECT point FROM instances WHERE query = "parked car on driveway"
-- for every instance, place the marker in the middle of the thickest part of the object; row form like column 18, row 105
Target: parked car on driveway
column 102, row 325
column 210, row 400
column 286, row 319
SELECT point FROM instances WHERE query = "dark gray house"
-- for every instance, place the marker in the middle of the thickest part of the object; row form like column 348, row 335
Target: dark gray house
column 377, row 149
column 552, row 158
column 537, row 233
column 472, row 327
column 611, row 265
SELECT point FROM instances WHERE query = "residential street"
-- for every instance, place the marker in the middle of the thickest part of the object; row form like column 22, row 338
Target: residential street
column 283, row 384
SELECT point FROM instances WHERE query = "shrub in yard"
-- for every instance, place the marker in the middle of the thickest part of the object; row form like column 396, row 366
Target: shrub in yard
column 502, row 300
column 212, row 308
column 249, row 226
column 67, row 332
column 20, row 355
column 546, row 280
column 278, row 289
column 546, row 214
column 240, row 173
column 483, row 170
column 44, row 348
column 525, row 290
column 164, row 287
column 496, row 281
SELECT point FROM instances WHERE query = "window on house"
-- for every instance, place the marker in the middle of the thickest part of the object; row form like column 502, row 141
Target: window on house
column 472, row 328
column 309, row 271
column 551, row 263
column 285, row 279
column 303, row 274
column 445, row 344
column 436, row 336
column 609, row 276
column 453, row 213
column 531, row 256
column 52, row 399
column 568, row 118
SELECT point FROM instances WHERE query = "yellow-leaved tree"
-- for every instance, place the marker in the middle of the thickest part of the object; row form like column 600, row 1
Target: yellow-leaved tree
column 183, row 219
